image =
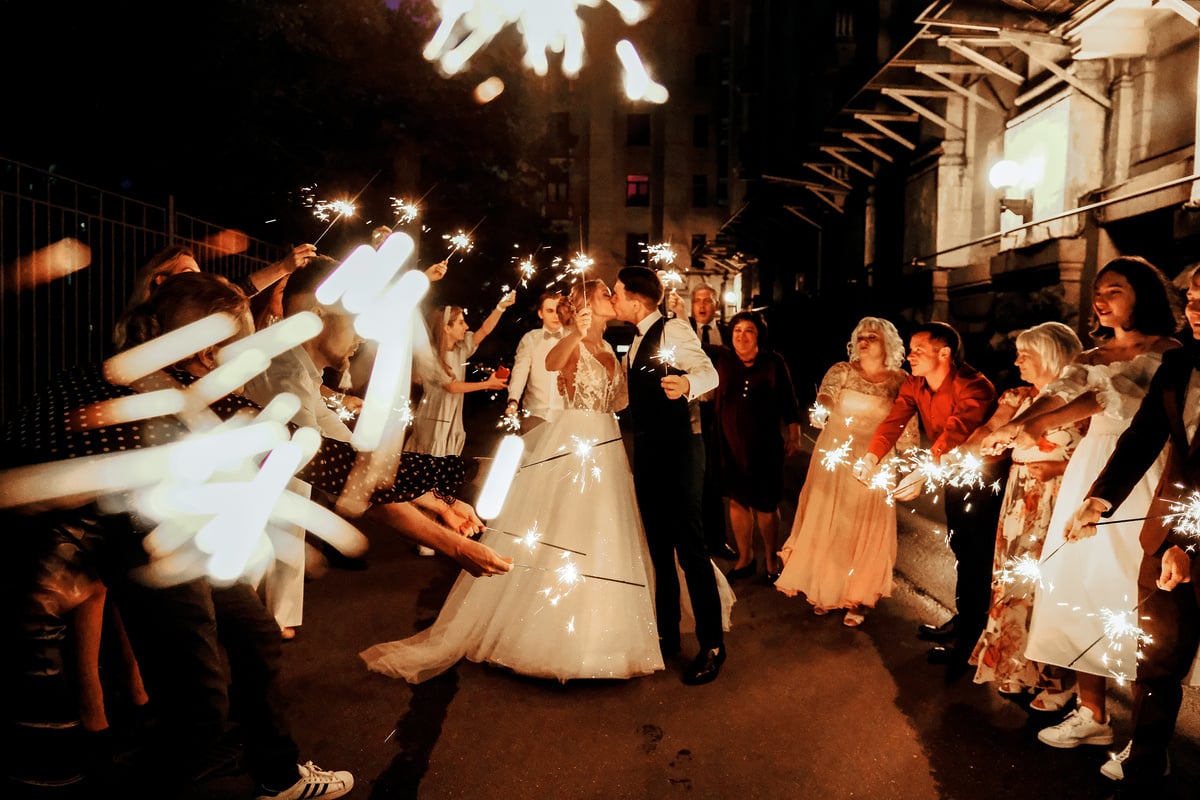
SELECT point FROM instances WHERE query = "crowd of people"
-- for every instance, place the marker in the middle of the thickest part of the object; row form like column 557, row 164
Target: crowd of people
column 702, row 413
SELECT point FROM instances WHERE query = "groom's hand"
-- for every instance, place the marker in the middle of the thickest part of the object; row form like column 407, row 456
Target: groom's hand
column 676, row 386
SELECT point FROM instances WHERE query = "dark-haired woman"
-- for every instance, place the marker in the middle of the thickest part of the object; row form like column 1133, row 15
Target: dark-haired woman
column 756, row 407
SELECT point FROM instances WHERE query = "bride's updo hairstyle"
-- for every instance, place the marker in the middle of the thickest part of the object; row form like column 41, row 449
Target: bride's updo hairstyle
column 180, row 300
column 579, row 296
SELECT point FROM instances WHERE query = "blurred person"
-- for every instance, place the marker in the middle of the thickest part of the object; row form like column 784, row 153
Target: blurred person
column 1133, row 322
column 950, row 399
column 668, row 465
column 530, row 384
column 1169, row 572
column 1028, row 501
column 174, row 259
column 842, row 546
column 758, row 424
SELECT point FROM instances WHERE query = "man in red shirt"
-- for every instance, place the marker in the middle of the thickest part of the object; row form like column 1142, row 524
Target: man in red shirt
column 951, row 399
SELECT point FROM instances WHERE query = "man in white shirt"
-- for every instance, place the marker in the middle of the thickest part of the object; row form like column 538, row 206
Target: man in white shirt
column 530, row 383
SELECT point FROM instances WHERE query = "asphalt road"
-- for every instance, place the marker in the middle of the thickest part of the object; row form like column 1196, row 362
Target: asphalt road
column 804, row 707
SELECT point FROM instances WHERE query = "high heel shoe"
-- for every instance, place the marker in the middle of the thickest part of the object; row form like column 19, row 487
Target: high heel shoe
column 747, row 571
column 1047, row 700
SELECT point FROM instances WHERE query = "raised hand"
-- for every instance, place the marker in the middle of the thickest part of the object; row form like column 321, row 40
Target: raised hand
column 583, row 320
column 437, row 271
column 1176, row 568
column 864, row 468
column 1083, row 522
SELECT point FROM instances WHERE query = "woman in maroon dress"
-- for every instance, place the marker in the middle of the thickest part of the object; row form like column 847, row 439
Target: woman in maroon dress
column 755, row 405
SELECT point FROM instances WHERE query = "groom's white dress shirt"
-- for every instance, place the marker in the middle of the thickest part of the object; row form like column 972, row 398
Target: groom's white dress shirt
column 689, row 358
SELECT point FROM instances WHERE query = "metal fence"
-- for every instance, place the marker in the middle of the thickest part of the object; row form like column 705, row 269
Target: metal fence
column 69, row 320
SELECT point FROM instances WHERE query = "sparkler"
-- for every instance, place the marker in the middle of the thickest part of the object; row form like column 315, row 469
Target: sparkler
column 406, row 211
column 818, row 415
column 838, row 456
column 467, row 26
column 531, row 539
column 526, row 269
column 458, row 241
column 638, row 83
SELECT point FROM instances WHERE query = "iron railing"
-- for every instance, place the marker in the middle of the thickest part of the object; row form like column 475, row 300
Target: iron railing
column 69, row 320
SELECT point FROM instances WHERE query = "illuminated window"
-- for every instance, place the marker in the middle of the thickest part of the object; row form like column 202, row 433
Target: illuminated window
column 637, row 190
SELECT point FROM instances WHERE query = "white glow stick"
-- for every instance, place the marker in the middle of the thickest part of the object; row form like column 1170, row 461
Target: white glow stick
column 500, row 477
column 366, row 288
column 359, row 263
column 163, row 351
column 274, row 339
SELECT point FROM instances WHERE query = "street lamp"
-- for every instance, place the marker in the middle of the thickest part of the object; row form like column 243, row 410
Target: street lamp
column 1008, row 175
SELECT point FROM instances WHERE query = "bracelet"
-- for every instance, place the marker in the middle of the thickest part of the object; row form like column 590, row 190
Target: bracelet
column 500, row 308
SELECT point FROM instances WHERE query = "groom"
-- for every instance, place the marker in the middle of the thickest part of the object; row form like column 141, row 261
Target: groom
column 667, row 371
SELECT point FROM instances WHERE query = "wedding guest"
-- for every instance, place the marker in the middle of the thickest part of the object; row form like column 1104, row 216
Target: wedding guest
column 951, row 399
column 1169, row 613
column 843, row 543
column 1028, row 500
column 712, row 334
column 758, row 423
column 530, row 384
column 178, row 258
column 437, row 427
column 1133, row 319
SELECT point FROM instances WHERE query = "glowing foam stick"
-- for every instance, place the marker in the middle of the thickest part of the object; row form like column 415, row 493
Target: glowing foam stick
column 500, row 476
column 272, row 340
column 391, row 256
column 359, row 264
column 170, row 348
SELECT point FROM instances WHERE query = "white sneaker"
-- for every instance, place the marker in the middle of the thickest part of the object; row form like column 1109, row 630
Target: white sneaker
column 1079, row 727
column 1114, row 768
column 314, row 782
column 422, row 550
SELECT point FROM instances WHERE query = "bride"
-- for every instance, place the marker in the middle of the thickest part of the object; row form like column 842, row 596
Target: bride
column 578, row 602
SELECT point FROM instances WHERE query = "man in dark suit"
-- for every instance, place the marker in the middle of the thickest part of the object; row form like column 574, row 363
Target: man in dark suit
column 1169, row 609
column 712, row 504
column 667, row 371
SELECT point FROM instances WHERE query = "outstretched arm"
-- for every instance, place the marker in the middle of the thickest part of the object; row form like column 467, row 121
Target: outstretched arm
column 493, row 318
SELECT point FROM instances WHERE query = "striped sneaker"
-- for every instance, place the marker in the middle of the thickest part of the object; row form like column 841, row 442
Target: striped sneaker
column 314, row 783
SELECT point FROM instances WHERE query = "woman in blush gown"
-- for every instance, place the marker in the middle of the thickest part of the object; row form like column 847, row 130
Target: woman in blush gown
column 571, row 511
column 843, row 543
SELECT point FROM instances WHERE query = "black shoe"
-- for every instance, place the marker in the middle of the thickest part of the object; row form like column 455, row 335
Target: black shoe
column 950, row 654
column 743, row 572
column 723, row 551
column 706, row 667
column 939, row 633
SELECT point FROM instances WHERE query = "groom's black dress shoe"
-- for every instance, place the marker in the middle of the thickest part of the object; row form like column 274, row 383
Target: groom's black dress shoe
column 706, row 667
column 939, row 633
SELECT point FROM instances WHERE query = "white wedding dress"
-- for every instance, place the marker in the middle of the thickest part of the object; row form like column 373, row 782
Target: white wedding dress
column 578, row 603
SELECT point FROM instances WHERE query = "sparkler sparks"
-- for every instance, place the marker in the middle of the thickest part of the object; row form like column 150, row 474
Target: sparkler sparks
column 406, row 210
column 838, row 456
column 458, row 241
column 526, row 269
column 580, row 264
column 661, row 253
column 582, row 448
column 666, row 355
column 467, row 26
column 818, row 415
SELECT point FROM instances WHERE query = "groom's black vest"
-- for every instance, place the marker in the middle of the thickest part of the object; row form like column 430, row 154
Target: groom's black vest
column 652, row 415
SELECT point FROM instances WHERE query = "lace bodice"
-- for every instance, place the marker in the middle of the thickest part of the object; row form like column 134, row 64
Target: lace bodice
column 594, row 389
column 843, row 376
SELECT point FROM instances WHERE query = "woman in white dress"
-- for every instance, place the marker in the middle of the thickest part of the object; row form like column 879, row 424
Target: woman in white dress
column 578, row 602
column 1135, row 313
column 437, row 427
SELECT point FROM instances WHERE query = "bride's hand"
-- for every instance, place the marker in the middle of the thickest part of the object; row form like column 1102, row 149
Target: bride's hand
column 583, row 320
